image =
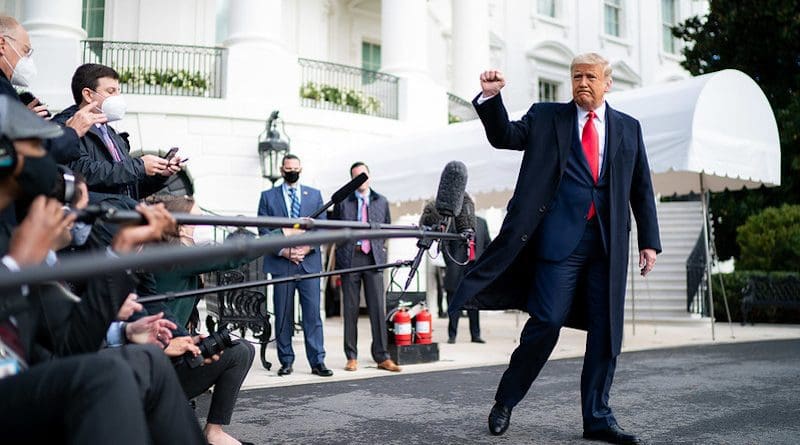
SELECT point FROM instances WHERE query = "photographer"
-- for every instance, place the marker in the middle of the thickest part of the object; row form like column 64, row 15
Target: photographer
column 61, row 400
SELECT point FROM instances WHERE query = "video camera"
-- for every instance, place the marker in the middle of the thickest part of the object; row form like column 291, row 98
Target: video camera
column 215, row 343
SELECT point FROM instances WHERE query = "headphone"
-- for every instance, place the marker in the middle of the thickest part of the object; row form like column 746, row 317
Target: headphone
column 8, row 157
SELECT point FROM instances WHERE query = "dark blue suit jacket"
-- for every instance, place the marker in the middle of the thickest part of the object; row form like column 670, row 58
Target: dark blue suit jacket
column 273, row 204
column 500, row 278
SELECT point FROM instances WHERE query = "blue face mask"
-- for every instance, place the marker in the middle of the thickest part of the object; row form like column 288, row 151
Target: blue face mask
column 80, row 233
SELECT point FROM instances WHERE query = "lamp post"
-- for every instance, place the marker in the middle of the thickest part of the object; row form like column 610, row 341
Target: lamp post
column 272, row 147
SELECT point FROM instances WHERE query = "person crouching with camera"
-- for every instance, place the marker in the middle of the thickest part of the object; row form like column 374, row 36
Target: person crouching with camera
column 200, row 363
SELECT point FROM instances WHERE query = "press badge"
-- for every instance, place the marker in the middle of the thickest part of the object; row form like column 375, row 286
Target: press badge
column 10, row 364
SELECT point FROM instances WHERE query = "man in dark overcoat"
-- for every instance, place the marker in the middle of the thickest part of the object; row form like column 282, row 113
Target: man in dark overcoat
column 562, row 251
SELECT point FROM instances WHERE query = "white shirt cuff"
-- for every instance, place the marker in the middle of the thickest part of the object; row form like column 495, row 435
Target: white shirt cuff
column 483, row 98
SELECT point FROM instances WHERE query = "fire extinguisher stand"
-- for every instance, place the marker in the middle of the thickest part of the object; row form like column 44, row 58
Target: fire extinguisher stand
column 410, row 326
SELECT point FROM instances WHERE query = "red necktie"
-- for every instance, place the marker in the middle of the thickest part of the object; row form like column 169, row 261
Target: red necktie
column 365, row 244
column 591, row 149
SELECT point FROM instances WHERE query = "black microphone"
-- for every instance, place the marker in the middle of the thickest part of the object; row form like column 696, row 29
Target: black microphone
column 449, row 200
column 340, row 195
column 466, row 220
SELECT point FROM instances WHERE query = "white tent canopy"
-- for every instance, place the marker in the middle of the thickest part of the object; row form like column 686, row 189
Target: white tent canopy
column 718, row 126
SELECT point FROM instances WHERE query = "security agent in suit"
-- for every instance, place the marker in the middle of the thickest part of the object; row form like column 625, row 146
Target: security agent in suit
column 454, row 273
column 562, row 251
column 293, row 200
column 365, row 205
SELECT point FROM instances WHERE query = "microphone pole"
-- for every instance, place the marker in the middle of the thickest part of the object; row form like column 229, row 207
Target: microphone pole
column 342, row 193
column 80, row 266
column 230, row 287
column 119, row 216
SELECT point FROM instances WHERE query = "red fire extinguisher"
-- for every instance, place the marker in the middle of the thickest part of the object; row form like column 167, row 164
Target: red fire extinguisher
column 402, row 328
column 424, row 327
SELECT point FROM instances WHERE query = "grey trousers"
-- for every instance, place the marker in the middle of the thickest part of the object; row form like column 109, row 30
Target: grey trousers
column 376, row 306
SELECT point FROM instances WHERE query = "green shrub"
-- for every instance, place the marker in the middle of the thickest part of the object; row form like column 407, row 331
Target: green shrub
column 770, row 240
column 734, row 283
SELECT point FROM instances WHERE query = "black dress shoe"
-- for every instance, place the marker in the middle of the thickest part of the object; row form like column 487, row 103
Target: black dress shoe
column 285, row 370
column 613, row 434
column 499, row 419
column 451, row 340
column 321, row 370
column 478, row 340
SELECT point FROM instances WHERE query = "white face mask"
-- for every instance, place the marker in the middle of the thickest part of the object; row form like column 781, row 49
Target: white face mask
column 24, row 72
column 203, row 235
column 114, row 107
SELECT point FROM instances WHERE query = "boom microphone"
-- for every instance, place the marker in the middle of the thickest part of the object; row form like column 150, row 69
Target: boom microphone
column 340, row 195
column 452, row 184
column 465, row 221
column 449, row 201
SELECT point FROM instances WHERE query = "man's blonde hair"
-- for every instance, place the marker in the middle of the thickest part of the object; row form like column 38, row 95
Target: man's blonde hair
column 592, row 59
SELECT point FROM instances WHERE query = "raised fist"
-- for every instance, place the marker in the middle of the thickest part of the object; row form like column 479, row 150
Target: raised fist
column 492, row 82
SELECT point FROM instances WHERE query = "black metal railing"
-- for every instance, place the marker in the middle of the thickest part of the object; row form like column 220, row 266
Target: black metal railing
column 696, row 285
column 459, row 110
column 158, row 69
column 332, row 86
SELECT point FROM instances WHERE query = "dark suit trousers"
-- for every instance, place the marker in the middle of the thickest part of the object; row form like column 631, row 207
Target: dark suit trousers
column 225, row 375
column 549, row 305
column 376, row 306
column 474, row 320
column 283, row 298
column 169, row 416
column 74, row 400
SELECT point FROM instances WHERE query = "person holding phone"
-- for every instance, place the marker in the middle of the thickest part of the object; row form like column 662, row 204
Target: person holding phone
column 105, row 159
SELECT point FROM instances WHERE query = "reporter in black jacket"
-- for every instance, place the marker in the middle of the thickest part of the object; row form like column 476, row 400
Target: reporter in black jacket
column 104, row 158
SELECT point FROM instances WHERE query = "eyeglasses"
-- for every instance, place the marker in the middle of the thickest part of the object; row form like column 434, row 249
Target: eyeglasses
column 27, row 52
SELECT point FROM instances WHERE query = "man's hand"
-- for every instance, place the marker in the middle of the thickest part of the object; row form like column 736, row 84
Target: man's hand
column 295, row 254
column 158, row 219
column 153, row 329
column 647, row 261
column 155, row 165
column 492, row 82
column 129, row 307
column 84, row 118
column 38, row 108
column 37, row 233
column 173, row 166
column 180, row 345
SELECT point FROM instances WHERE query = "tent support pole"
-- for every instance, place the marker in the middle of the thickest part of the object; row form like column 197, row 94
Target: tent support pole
column 708, row 256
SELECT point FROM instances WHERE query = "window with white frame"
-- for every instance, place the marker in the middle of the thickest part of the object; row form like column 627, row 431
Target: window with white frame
column 669, row 19
column 546, row 8
column 612, row 13
column 548, row 90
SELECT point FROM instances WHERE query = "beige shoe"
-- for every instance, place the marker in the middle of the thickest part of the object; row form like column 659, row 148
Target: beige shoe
column 351, row 365
column 389, row 365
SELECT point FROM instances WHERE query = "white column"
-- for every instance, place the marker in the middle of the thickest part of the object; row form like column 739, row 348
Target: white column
column 470, row 46
column 55, row 31
column 404, row 38
column 260, row 69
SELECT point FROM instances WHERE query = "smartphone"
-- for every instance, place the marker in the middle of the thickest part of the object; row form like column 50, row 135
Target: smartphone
column 171, row 153
column 27, row 97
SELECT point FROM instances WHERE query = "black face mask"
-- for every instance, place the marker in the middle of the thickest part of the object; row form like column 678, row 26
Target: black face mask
column 38, row 177
column 291, row 176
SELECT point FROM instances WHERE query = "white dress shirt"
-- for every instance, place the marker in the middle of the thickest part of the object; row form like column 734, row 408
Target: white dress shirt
column 600, row 127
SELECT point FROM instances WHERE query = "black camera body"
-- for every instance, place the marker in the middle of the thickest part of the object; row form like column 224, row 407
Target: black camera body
column 215, row 343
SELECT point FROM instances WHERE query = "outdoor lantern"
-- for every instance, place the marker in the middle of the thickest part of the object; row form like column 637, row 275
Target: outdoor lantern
column 272, row 147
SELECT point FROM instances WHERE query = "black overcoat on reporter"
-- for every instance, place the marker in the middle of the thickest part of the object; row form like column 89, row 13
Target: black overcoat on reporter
column 502, row 277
